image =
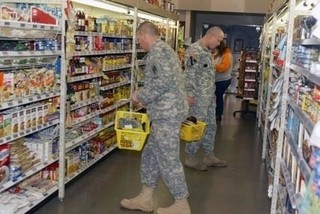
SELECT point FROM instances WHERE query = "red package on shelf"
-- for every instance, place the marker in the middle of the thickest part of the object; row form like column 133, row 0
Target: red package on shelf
column 40, row 16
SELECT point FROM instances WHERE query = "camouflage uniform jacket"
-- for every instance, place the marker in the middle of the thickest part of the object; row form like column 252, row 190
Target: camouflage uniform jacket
column 199, row 71
column 163, row 92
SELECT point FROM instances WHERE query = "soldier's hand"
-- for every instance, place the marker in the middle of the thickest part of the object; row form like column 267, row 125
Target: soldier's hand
column 191, row 101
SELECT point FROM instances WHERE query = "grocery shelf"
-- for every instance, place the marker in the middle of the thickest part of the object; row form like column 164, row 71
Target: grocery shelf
column 250, row 70
column 249, row 89
column 80, row 121
column 37, row 1
column 21, row 66
column 113, row 107
column 248, row 98
column 283, row 200
column 272, row 146
column 118, row 67
column 85, row 137
column 92, row 53
column 85, row 103
column 83, row 77
column 289, row 184
column 303, row 117
column 141, row 62
column 28, row 132
column 311, row 41
column 27, row 100
column 251, row 61
column 250, row 80
column 85, row 118
column 35, row 203
column 305, row 72
column 27, row 174
column 90, row 163
column 303, row 165
column 28, row 25
column 114, row 85
column 28, row 53
column 84, row 33
column 277, row 67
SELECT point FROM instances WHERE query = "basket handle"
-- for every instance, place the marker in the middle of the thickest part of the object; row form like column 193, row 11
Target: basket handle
column 191, row 124
column 119, row 101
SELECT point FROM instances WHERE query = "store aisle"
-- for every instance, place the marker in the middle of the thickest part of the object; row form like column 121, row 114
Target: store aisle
column 241, row 188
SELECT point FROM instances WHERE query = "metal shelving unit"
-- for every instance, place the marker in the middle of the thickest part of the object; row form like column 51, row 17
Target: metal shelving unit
column 289, row 160
column 138, row 10
column 33, row 98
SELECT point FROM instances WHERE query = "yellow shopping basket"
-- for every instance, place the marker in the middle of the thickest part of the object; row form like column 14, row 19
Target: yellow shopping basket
column 192, row 132
column 128, row 138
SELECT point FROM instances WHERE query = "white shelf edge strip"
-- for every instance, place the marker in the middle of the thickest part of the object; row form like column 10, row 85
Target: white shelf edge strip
column 28, row 25
column 85, row 103
column 30, row 172
column 84, row 77
column 28, row 132
column 88, row 53
column 114, row 85
column 85, row 137
column 90, row 163
column 117, row 67
column 28, row 53
column 84, row 33
column 29, row 65
column 38, row 1
column 289, row 185
column 27, row 100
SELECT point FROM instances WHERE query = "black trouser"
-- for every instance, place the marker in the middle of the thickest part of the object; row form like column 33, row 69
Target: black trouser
column 221, row 87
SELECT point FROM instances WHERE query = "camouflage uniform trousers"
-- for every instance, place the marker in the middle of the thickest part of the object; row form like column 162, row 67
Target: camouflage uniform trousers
column 206, row 113
column 161, row 158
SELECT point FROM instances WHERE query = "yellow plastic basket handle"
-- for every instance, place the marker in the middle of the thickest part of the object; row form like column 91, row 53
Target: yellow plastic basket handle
column 121, row 100
column 189, row 123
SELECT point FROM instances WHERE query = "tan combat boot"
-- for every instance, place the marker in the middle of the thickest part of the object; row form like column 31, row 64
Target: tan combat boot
column 143, row 201
column 179, row 207
column 211, row 160
column 193, row 163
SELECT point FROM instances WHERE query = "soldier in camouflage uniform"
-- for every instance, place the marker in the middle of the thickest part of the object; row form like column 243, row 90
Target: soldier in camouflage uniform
column 200, row 86
column 164, row 96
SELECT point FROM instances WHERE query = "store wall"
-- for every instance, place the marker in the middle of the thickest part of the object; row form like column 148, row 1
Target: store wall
column 222, row 19
column 242, row 6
